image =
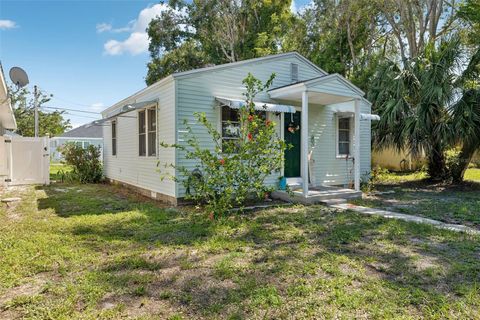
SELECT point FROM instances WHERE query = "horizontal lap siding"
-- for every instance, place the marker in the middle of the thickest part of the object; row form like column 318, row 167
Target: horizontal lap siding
column 197, row 92
column 328, row 169
column 130, row 168
column 365, row 143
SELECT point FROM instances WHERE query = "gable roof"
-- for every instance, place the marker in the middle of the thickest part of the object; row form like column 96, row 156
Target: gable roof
column 248, row 61
column 216, row 68
column 324, row 78
column 86, row 131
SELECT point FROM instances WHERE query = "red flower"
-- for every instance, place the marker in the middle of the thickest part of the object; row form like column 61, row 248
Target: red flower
column 250, row 118
column 250, row 136
column 221, row 161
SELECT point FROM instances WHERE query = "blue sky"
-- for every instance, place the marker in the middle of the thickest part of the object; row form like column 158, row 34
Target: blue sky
column 88, row 54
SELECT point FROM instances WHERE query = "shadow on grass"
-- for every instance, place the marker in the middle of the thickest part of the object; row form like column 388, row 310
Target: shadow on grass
column 278, row 263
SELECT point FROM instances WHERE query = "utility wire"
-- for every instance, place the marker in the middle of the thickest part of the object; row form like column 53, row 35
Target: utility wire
column 70, row 109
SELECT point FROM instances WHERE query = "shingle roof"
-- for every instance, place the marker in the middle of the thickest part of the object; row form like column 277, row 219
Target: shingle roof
column 86, row 131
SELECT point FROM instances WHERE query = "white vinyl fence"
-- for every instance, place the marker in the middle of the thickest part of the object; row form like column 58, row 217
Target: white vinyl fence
column 28, row 160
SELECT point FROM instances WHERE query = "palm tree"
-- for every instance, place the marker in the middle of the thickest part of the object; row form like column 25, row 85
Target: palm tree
column 429, row 105
column 466, row 116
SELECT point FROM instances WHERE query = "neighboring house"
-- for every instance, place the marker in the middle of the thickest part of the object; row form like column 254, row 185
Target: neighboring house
column 88, row 134
column 331, row 114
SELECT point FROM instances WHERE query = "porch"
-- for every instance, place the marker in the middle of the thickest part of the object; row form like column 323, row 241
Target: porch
column 327, row 166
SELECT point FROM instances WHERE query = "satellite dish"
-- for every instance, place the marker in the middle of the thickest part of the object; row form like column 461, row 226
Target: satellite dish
column 18, row 76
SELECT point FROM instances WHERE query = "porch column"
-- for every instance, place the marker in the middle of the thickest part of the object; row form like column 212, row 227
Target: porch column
column 357, row 145
column 304, row 139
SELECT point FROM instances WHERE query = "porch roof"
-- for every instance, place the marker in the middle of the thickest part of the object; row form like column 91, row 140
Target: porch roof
column 323, row 90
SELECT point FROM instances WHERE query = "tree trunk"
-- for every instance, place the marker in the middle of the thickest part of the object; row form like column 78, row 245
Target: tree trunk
column 436, row 165
column 457, row 171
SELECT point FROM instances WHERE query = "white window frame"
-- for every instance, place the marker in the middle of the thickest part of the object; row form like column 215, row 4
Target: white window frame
column 147, row 132
column 114, row 123
column 337, row 135
column 155, row 132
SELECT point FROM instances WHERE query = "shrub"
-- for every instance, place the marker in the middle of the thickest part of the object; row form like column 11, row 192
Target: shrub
column 86, row 164
column 231, row 172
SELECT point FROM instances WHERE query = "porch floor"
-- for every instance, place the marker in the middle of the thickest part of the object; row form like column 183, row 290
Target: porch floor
column 318, row 195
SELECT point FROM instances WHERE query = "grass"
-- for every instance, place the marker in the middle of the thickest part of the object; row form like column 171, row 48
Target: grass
column 56, row 170
column 97, row 252
column 409, row 193
column 472, row 174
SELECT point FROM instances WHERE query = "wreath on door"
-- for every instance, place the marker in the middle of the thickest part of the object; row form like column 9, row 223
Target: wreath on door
column 292, row 127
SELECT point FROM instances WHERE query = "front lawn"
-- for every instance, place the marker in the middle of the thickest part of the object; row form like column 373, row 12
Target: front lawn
column 409, row 193
column 98, row 252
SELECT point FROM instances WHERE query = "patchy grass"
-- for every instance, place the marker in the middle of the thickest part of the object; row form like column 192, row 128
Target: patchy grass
column 97, row 252
column 56, row 170
column 409, row 193
column 472, row 174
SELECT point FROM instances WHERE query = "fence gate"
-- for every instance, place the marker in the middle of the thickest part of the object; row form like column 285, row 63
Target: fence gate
column 28, row 160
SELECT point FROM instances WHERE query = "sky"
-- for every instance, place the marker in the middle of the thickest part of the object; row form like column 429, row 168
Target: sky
column 88, row 54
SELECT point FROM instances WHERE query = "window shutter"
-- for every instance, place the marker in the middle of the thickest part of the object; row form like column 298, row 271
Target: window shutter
column 294, row 72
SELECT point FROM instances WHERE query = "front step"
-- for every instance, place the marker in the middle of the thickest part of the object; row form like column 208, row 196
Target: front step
column 317, row 197
column 331, row 202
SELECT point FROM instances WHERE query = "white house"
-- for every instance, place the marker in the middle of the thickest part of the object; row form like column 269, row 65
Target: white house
column 330, row 149
column 83, row 136
column 7, row 122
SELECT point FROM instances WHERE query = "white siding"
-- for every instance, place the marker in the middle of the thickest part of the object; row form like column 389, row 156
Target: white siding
column 328, row 169
column 196, row 93
column 127, row 166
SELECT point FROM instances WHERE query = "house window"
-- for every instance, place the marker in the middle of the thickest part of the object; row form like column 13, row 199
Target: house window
column 152, row 132
column 343, row 136
column 142, row 134
column 231, row 127
column 294, row 72
column 114, row 138
column 147, row 132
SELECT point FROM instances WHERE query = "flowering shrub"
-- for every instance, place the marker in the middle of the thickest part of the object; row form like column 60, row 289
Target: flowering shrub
column 87, row 167
column 234, row 170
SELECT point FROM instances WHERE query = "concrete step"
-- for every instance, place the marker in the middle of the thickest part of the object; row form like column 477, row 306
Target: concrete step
column 330, row 202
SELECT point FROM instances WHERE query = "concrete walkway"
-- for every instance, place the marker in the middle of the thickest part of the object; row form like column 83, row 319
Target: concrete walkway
column 405, row 217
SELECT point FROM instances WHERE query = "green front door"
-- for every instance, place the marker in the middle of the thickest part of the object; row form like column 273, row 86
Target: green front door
column 292, row 154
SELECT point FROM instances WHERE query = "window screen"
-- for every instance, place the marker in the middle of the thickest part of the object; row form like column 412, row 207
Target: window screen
column 343, row 136
column 142, row 134
column 152, row 132
column 114, row 138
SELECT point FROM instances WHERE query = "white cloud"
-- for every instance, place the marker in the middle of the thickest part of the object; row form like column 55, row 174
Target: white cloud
column 97, row 106
column 7, row 24
column 107, row 27
column 137, row 41
column 103, row 27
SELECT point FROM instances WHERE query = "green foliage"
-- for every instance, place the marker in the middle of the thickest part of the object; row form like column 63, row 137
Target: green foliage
column 469, row 12
column 340, row 37
column 232, row 171
column 86, row 163
column 427, row 107
column 190, row 35
column 50, row 123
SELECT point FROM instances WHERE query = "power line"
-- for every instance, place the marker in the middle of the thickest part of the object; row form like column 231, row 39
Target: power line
column 70, row 109
column 81, row 116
